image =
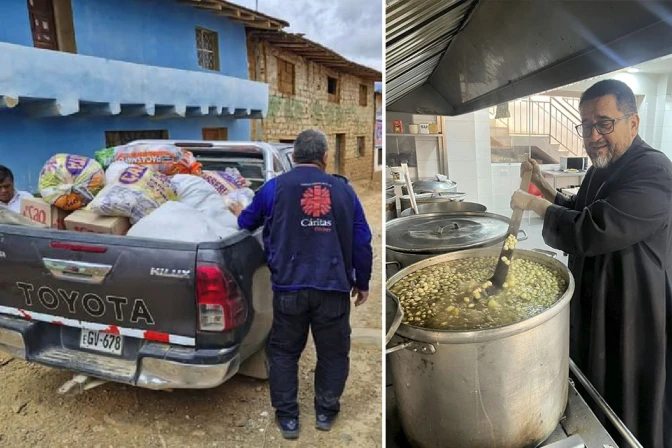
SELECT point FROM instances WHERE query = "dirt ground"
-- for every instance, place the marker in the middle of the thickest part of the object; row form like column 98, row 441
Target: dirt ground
column 236, row 414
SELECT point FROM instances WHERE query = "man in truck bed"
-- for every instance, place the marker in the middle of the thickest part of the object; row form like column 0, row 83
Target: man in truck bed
column 318, row 246
column 10, row 197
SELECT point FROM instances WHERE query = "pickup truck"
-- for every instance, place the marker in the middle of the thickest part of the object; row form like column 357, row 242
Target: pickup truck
column 145, row 312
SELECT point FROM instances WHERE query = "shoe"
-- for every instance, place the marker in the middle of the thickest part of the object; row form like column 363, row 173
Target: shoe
column 289, row 427
column 324, row 422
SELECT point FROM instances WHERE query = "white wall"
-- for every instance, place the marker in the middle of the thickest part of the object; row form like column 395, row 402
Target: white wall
column 467, row 142
column 655, row 112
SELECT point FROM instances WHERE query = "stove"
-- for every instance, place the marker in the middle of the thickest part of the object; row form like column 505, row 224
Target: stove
column 578, row 428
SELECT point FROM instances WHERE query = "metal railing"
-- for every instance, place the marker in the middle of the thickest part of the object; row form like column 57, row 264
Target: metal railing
column 544, row 118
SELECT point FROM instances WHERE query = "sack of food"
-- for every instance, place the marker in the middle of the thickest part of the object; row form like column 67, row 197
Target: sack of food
column 164, row 158
column 174, row 221
column 225, row 181
column 199, row 194
column 243, row 196
column 105, row 157
column 70, row 182
column 113, row 172
column 137, row 193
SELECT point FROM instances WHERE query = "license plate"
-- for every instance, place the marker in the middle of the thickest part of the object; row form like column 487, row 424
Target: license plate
column 102, row 342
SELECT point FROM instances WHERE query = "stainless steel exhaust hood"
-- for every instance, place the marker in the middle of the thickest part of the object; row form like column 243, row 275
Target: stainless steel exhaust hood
column 452, row 57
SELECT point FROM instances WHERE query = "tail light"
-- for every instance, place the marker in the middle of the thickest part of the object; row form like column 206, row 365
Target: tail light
column 221, row 305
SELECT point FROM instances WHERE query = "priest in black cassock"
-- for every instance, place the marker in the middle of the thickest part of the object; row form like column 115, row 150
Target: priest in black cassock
column 618, row 233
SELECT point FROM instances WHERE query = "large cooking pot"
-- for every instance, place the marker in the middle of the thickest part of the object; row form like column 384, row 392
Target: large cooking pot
column 502, row 387
column 390, row 206
column 431, row 186
column 446, row 207
column 411, row 239
column 428, row 198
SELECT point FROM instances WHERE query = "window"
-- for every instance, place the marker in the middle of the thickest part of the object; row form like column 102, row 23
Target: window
column 380, row 156
column 332, row 90
column 361, row 146
column 117, row 138
column 207, row 45
column 285, row 77
column 363, row 95
column 211, row 134
column 52, row 25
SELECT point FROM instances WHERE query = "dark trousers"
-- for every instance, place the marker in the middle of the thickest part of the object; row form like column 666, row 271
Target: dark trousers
column 327, row 314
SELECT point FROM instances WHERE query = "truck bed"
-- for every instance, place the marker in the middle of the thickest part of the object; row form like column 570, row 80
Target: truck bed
column 142, row 288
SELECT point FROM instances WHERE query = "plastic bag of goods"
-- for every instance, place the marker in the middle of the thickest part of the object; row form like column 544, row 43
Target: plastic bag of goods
column 164, row 158
column 114, row 171
column 105, row 157
column 175, row 221
column 225, row 181
column 242, row 196
column 70, row 182
column 137, row 193
column 199, row 194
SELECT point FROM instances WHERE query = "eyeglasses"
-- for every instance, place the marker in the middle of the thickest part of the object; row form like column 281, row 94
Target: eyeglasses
column 603, row 127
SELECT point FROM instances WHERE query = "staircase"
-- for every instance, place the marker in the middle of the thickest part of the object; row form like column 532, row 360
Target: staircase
column 544, row 126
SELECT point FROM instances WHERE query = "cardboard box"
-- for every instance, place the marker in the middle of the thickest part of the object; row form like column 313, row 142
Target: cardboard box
column 85, row 221
column 42, row 212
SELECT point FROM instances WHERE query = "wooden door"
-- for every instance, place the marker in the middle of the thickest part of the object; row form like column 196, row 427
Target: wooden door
column 43, row 24
column 339, row 156
column 215, row 134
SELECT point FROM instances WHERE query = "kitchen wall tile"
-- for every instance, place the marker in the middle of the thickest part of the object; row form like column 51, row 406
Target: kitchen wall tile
column 460, row 131
column 461, row 151
column 482, row 130
column 486, row 200
column 485, row 186
column 483, row 150
column 462, row 169
column 469, row 186
column 483, row 169
column 500, row 185
column 500, row 170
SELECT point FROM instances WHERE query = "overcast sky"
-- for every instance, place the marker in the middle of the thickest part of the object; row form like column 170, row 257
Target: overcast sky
column 353, row 28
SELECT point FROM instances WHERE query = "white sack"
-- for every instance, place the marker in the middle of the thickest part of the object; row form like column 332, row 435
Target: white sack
column 174, row 221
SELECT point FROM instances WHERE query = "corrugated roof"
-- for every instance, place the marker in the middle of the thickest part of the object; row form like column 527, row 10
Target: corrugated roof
column 298, row 44
column 418, row 32
column 237, row 13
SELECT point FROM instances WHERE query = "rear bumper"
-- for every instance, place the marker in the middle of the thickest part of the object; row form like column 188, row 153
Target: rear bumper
column 147, row 364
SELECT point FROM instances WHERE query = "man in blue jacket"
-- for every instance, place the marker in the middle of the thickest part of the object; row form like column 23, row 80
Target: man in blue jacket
column 318, row 248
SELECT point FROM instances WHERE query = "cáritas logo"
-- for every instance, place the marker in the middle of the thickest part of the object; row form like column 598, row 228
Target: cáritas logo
column 316, row 203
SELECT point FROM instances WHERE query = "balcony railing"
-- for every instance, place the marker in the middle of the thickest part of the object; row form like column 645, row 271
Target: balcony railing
column 51, row 83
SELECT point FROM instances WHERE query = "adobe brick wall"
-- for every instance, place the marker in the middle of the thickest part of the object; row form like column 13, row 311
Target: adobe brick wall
column 309, row 108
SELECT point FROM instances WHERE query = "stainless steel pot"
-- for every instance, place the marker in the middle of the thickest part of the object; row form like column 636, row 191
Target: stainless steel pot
column 431, row 186
column 497, row 388
column 446, row 207
column 430, row 198
column 390, row 206
column 478, row 229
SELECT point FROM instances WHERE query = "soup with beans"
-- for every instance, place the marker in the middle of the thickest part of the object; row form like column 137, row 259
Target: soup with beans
column 451, row 295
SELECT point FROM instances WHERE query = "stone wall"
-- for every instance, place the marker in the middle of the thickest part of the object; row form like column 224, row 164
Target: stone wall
column 310, row 108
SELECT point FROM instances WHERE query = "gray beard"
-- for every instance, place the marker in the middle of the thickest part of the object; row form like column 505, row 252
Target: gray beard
column 600, row 162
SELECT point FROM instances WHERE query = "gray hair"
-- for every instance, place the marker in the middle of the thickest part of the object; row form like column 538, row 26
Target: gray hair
column 625, row 98
column 310, row 147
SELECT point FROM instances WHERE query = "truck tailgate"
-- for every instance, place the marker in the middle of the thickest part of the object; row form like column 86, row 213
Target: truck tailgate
column 134, row 287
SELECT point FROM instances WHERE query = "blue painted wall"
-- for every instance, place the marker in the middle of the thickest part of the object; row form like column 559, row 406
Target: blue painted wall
column 152, row 32
column 27, row 143
column 14, row 22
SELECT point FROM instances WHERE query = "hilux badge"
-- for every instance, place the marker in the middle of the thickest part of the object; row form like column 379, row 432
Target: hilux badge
column 171, row 273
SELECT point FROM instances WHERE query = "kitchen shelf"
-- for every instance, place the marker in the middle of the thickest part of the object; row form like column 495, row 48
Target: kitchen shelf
column 413, row 135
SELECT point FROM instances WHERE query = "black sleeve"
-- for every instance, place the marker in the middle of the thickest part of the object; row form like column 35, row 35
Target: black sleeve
column 636, row 208
column 564, row 201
